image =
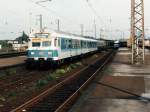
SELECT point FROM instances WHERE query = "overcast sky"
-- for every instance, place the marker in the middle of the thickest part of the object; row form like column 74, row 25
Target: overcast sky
column 112, row 16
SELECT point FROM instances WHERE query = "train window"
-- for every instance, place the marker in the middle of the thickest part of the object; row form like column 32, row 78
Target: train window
column 36, row 44
column 55, row 42
column 77, row 44
column 70, row 44
column 67, row 43
column 58, row 41
column 85, row 44
column 64, row 43
column 81, row 44
column 73, row 43
column 46, row 43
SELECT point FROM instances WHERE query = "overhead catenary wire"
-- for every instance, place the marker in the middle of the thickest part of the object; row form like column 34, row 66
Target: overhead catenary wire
column 101, row 24
column 55, row 13
column 95, row 12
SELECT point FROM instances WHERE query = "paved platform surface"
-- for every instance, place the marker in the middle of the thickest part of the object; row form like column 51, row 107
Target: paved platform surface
column 4, row 62
column 119, row 74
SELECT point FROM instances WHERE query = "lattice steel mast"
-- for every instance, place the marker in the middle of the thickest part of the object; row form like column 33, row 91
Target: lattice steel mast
column 137, row 31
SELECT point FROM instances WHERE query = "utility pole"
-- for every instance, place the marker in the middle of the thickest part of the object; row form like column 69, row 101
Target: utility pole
column 101, row 33
column 41, row 23
column 137, row 31
column 95, row 28
column 110, row 32
column 58, row 25
column 40, row 19
column 82, row 29
column 30, row 21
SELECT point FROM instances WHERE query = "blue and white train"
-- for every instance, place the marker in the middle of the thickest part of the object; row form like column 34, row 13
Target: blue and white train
column 116, row 44
column 55, row 47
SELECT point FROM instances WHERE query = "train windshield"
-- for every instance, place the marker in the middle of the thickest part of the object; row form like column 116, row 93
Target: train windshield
column 36, row 44
column 46, row 43
column 41, row 35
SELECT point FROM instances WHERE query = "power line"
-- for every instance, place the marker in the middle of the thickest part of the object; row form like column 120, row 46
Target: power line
column 54, row 12
column 63, row 18
column 43, row 1
column 94, row 11
column 103, row 26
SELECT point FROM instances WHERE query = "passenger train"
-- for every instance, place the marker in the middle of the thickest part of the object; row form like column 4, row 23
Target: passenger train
column 55, row 47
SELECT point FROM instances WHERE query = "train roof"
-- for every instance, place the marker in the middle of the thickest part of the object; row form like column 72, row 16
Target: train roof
column 65, row 34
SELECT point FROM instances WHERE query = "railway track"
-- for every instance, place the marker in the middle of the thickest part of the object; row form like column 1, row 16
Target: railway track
column 11, row 55
column 30, row 77
column 60, row 97
column 12, row 66
column 14, row 54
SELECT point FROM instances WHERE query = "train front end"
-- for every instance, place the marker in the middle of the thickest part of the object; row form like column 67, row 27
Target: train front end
column 40, row 49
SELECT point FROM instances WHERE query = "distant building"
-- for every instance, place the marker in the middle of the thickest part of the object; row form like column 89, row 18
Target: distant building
column 147, row 43
column 18, row 46
column 20, row 43
column 0, row 47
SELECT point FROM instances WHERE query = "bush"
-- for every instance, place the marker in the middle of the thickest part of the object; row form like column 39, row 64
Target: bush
column 79, row 64
column 60, row 71
column 73, row 66
column 50, row 78
column 68, row 69
column 42, row 82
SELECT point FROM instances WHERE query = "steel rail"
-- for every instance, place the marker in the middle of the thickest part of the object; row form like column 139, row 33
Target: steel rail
column 63, row 108
column 12, row 66
column 69, row 101
column 14, row 54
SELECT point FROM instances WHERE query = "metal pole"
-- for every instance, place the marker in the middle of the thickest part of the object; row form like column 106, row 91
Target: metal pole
column 82, row 29
column 58, row 25
column 143, row 29
column 41, row 24
column 30, row 21
column 95, row 28
column 137, row 31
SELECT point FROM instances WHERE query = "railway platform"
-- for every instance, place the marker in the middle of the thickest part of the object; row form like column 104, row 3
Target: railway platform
column 121, row 87
column 11, row 61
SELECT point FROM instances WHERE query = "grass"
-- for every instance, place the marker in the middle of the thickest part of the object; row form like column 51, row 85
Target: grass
column 42, row 82
column 73, row 66
column 57, row 74
column 50, row 78
column 95, row 56
column 60, row 71
column 45, row 81
column 79, row 64
column 68, row 69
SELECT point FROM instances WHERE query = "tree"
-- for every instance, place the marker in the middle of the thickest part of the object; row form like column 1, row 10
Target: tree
column 22, row 38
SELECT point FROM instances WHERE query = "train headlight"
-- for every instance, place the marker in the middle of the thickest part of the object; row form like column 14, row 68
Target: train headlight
column 32, row 53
